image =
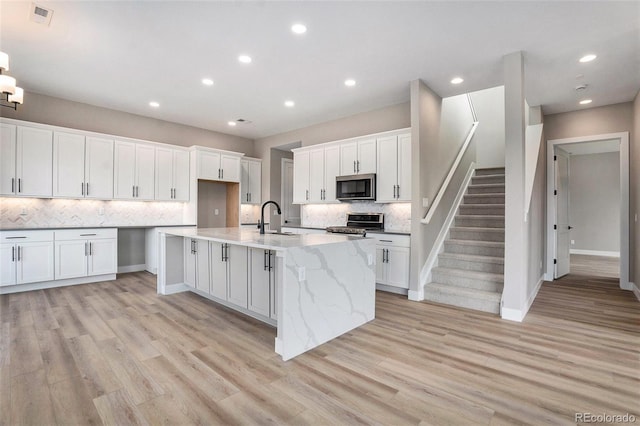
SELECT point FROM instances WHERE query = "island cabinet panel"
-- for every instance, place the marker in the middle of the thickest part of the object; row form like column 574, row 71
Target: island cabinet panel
column 196, row 264
column 190, row 262
column 261, row 281
column 237, row 276
column 218, row 270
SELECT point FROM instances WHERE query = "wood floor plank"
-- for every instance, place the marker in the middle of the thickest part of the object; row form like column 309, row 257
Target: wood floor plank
column 70, row 324
column 164, row 410
column 58, row 361
column 133, row 335
column 93, row 323
column 41, row 311
column 5, row 396
column 24, row 351
column 116, row 408
column 72, row 404
column 98, row 376
column 5, row 344
column 31, row 400
column 19, row 310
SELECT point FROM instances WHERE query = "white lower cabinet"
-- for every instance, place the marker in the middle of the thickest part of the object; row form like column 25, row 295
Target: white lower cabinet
column 85, row 252
column 262, row 282
column 392, row 260
column 229, row 273
column 26, row 257
column 196, row 267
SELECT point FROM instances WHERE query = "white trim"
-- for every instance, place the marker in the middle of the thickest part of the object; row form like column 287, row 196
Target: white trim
column 511, row 314
column 635, row 290
column 425, row 273
column 56, row 283
column 416, row 296
column 175, row 288
column 230, row 305
column 595, row 252
column 519, row 314
column 624, row 202
column 131, row 268
column 392, row 289
column 452, row 170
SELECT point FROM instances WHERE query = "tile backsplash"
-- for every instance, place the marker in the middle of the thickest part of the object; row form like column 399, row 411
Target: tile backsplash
column 397, row 216
column 16, row 213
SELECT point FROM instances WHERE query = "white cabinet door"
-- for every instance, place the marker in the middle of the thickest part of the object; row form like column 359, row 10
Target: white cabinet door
column 387, row 177
column 181, row 175
column 403, row 192
column 164, row 174
column 348, row 158
column 7, row 264
column 71, row 259
column 202, row 265
column 98, row 170
column 381, row 266
column 145, row 172
column 208, row 165
column 237, row 274
column 68, row 165
column 230, row 167
column 398, row 267
column 366, row 156
column 301, row 177
column 274, row 287
column 316, row 175
column 244, row 182
column 331, row 170
column 189, row 262
column 35, row 262
column 103, row 256
column 7, row 159
column 124, row 170
column 255, row 182
column 34, row 162
column 218, row 271
column 259, row 283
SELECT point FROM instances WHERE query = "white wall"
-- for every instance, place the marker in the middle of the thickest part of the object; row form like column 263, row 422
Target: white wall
column 489, row 137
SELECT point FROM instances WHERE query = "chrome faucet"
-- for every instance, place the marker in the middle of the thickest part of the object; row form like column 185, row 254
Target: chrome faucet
column 262, row 214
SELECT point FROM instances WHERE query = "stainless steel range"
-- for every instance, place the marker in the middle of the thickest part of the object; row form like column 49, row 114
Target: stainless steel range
column 360, row 223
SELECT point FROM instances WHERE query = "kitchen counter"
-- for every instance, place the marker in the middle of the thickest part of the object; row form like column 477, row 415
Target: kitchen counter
column 384, row 231
column 95, row 226
column 323, row 285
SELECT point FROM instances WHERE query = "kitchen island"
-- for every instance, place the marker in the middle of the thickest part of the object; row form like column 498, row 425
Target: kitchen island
column 313, row 288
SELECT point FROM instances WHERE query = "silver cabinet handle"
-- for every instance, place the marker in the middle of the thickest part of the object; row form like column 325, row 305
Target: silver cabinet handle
column 13, row 185
column 137, row 191
column 19, row 190
column 222, row 173
column 86, row 248
column 358, row 166
column 398, row 192
column 13, row 254
column 266, row 253
column 354, row 166
column 87, row 188
column 19, row 254
column 88, row 235
column 15, row 238
column 90, row 249
column 133, row 191
column 82, row 188
column 270, row 254
column 394, row 191
column 307, row 194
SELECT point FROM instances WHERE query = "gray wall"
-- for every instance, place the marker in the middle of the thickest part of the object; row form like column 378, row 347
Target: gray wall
column 61, row 112
column 131, row 244
column 489, row 136
column 594, row 193
column 211, row 196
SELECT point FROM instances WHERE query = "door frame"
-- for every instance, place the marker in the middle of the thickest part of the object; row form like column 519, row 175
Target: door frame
column 623, row 137
column 556, row 165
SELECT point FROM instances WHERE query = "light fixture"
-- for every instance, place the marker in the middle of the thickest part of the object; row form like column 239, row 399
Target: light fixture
column 350, row 82
column 10, row 94
column 588, row 58
column 457, row 80
column 245, row 59
column 232, row 123
column 207, row 82
column 585, row 101
column 289, row 104
column 154, row 104
column 299, row 28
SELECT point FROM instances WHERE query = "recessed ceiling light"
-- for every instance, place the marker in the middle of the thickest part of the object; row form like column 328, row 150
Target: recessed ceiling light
column 289, row 104
column 588, row 58
column 585, row 102
column 232, row 123
column 350, row 82
column 456, row 80
column 207, row 82
column 245, row 59
column 154, row 104
column 299, row 28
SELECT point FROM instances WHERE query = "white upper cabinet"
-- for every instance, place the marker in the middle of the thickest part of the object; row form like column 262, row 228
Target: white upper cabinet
column 394, row 168
column 358, row 157
column 134, row 171
column 218, row 165
column 250, row 181
column 230, row 168
column 315, row 172
column 27, row 159
column 82, row 167
column 316, row 175
column 301, row 177
column 331, row 170
column 172, row 175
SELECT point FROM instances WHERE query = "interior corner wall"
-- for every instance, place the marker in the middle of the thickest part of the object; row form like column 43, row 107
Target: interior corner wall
column 489, row 136
column 634, row 189
column 61, row 112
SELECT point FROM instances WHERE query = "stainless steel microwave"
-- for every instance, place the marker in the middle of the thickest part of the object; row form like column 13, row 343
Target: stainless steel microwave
column 356, row 187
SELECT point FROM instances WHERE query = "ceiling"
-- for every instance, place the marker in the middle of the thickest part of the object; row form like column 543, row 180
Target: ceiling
column 122, row 55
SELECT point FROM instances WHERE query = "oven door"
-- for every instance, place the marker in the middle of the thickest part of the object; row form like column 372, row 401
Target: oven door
column 356, row 187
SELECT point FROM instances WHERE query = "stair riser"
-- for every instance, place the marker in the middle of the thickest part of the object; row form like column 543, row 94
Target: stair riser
column 477, row 210
column 469, row 265
column 477, row 235
column 463, row 302
column 485, row 189
column 493, row 171
column 478, row 180
column 477, row 250
column 471, row 199
column 467, row 282
column 480, row 222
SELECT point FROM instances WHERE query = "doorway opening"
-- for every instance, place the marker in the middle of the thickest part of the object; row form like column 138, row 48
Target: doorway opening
column 588, row 207
column 281, row 183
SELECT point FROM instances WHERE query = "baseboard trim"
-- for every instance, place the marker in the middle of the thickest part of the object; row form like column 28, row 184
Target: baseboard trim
column 519, row 314
column 131, row 268
column 636, row 290
column 595, row 252
column 56, row 283
column 175, row 288
column 391, row 289
column 416, row 296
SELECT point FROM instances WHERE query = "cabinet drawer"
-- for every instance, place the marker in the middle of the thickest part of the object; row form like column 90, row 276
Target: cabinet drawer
column 86, row 234
column 25, row 236
column 391, row 239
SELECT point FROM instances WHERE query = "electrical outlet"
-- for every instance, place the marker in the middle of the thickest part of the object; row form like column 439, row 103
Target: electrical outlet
column 369, row 259
column 302, row 273
column 573, row 242
column 216, row 212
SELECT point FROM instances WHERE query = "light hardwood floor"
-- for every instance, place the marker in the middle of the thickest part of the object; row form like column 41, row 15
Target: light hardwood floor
column 116, row 353
column 600, row 266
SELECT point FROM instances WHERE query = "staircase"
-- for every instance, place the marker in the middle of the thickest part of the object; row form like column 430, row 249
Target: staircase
column 470, row 271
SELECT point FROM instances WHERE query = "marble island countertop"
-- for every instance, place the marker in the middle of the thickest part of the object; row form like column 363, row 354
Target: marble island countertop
column 269, row 240
column 380, row 231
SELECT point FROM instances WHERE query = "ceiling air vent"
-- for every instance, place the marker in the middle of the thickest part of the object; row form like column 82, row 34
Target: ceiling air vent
column 40, row 14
